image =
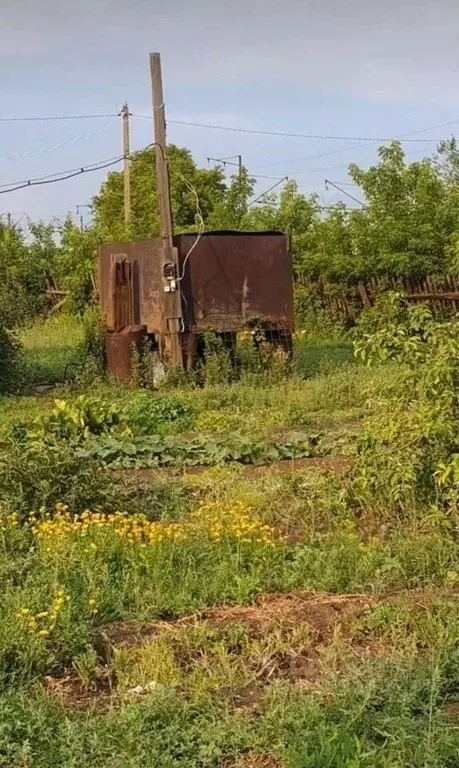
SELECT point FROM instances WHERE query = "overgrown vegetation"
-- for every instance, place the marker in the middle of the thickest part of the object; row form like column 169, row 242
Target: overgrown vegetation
column 408, row 226
column 169, row 600
column 409, row 454
column 322, row 621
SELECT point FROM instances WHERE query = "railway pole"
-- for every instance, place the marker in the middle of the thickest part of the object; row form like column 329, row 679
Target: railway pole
column 125, row 114
column 172, row 324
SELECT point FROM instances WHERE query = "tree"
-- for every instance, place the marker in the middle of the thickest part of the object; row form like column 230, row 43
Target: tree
column 75, row 264
column 186, row 182
column 331, row 255
column 22, row 281
column 408, row 224
column 230, row 211
column 291, row 212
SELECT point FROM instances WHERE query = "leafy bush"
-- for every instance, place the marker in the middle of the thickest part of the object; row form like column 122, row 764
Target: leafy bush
column 77, row 420
column 9, row 359
column 154, row 413
column 410, row 448
column 33, row 475
column 217, row 367
column 162, row 451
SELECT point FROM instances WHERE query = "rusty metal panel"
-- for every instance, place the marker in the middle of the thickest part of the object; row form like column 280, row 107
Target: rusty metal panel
column 118, row 348
column 140, row 302
column 231, row 277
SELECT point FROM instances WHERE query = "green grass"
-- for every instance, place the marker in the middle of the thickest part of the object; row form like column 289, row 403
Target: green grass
column 312, row 357
column 334, row 402
column 51, row 347
column 387, row 722
column 93, row 608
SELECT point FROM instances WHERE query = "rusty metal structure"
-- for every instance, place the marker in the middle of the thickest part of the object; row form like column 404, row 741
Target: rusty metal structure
column 225, row 281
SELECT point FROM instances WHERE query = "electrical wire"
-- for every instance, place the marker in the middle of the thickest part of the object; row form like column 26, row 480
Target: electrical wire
column 343, row 191
column 64, row 175
column 53, row 175
column 53, row 117
column 37, row 183
column 48, row 118
column 200, row 229
column 403, row 136
column 285, row 178
column 53, row 147
column 260, row 132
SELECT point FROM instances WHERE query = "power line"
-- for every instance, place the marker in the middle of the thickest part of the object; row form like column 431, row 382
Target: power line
column 47, row 118
column 54, row 147
column 117, row 158
column 321, row 137
column 285, row 178
column 403, row 136
column 64, row 175
column 37, row 183
column 54, row 117
column 309, row 171
column 343, row 191
column 72, row 172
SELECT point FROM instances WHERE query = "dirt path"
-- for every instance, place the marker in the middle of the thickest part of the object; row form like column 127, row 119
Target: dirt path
column 283, row 466
column 331, row 620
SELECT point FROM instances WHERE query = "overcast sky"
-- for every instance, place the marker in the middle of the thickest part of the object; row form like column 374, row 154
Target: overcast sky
column 349, row 67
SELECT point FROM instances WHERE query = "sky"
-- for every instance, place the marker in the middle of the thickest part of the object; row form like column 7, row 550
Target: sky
column 325, row 67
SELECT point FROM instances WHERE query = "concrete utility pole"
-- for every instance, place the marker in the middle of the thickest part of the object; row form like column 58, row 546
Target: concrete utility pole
column 125, row 114
column 172, row 302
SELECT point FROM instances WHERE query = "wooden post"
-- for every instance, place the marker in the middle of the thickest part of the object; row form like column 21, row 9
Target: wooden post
column 127, row 163
column 172, row 303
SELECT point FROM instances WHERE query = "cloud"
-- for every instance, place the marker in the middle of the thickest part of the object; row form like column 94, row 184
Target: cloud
column 384, row 51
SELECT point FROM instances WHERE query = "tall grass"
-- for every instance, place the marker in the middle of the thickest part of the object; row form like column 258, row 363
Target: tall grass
column 50, row 346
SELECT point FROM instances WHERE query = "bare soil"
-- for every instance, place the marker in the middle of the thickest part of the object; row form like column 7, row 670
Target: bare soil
column 283, row 466
column 322, row 614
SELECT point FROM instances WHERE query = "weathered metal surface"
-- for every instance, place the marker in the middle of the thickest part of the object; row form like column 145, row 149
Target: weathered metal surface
column 231, row 277
column 145, row 260
column 119, row 348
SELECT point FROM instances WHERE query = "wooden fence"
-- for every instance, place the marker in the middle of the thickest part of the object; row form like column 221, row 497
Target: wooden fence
column 348, row 300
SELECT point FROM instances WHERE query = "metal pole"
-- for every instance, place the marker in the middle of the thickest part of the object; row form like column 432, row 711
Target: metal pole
column 125, row 114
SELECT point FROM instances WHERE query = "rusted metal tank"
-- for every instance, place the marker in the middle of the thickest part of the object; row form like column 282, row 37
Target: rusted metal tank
column 119, row 347
column 231, row 277
column 226, row 281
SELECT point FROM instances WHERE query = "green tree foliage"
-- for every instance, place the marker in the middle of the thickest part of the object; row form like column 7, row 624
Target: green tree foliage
column 409, row 452
column 408, row 226
column 291, row 212
column 75, row 264
column 230, row 211
column 410, row 220
column 185, row 176
column 13, row 301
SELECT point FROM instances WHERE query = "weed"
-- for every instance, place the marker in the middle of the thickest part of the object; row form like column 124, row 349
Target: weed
column 51, row 346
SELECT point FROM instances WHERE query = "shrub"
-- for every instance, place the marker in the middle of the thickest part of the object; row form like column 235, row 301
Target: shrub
column 34, row 475
column 410, row 447
column 9, row 359
column 153, row 413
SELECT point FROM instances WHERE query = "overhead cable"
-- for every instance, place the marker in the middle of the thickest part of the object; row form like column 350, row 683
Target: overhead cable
column 266, row 192
column 261, row 132
column 54, row 117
